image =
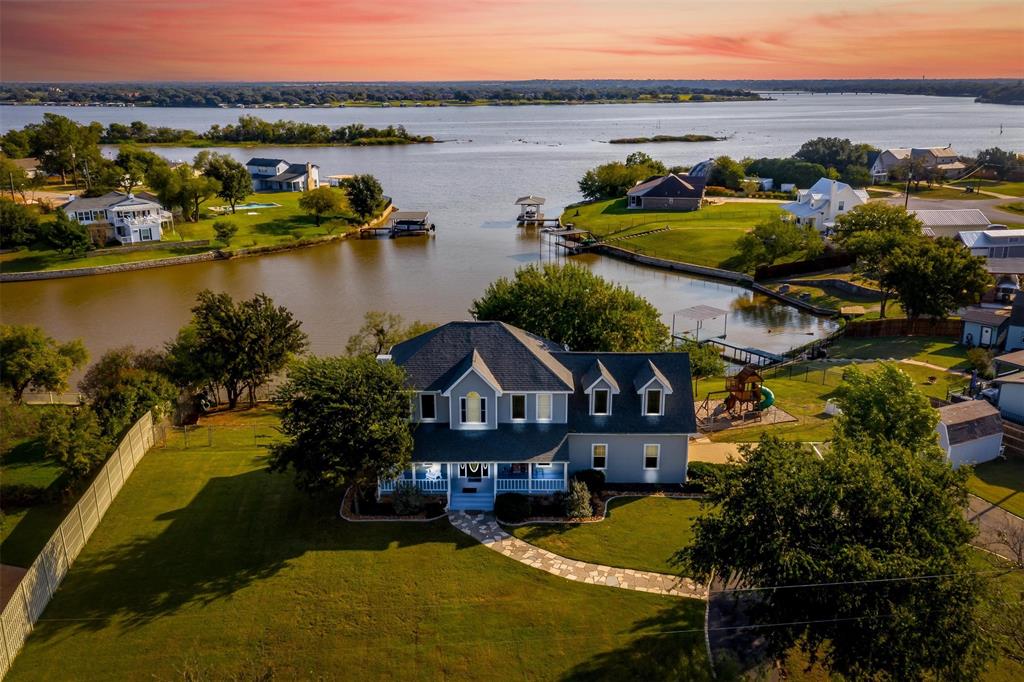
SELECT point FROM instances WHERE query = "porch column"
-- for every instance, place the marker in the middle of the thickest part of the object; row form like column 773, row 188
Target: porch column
column 494, row 483
column 529, row 474
column 412, row 468
column 565, row 477
column 449, row 484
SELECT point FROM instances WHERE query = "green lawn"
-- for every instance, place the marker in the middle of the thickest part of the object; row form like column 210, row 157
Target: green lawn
column 1001, row 483
column 941, row 351
column 24, row 530
column 266, row 227
column 705, row 237
column 804, row 392
column 208, row 567
column 639, row 532
column 1015, row 189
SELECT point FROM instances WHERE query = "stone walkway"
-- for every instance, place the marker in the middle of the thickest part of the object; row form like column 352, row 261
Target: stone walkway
column 485, row 529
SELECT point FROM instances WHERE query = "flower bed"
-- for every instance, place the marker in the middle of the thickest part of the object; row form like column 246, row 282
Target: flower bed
column 374, row 510
column 600, row 502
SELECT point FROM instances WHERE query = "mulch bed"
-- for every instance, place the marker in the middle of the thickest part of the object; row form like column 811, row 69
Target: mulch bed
column 372, row 510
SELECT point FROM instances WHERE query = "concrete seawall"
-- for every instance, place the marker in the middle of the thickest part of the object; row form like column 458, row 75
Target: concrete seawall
column 678, row 266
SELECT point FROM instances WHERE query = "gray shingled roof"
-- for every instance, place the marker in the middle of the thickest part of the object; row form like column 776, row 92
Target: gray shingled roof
column 970, row 420
column 627, row 408
column 598, row 371
column 648, row 372
column 518, row 361
column 507, row 443
column 260, row 161
column 671, row 185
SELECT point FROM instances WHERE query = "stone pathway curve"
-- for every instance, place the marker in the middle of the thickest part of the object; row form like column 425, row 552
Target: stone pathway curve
column 485, row 529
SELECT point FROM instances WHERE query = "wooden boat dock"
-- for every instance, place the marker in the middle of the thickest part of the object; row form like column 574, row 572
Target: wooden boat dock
column 402, row 224
column 530, row 211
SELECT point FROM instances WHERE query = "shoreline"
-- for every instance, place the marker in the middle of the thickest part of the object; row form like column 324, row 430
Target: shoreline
column 404, row 105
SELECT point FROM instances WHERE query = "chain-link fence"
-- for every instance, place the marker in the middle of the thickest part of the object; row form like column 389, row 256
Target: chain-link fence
column 217, row 437
column 831, row 374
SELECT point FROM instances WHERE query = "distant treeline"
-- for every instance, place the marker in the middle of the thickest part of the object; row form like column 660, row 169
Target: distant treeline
column 996, row 91
column 328, row 94
column 254, row 130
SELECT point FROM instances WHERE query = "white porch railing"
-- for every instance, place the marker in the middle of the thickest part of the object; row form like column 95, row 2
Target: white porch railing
column 427, row 486
column 526, row 485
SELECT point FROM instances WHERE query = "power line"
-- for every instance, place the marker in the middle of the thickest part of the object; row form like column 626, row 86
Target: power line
column 935, row 576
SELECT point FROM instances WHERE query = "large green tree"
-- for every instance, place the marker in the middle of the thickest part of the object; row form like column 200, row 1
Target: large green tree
column 727, row 172
column 29, row 357
column 19, row 224
column 884, row 404
column 381, row 331
column 1000, row 161
column 235, row 181
column 124, row 384
column 236, row 345
column 365, row 195
column 835, row 152
column 346, row 420
column 614, row 179
column 571, row 305
column 67, row 235
column 320, row 202
column 775, row 238
column 935, row 278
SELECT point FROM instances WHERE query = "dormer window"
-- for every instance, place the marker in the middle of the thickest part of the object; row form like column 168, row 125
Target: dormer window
column 653, row 402
column 473, row 408
column 601, row 402
column 428, row 407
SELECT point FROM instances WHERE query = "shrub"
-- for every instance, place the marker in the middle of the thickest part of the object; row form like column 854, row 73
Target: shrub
column 407, row 499
column 20, row 495
column 224, row 230
column 577, row 502
column 715, row 191
column 700, row 475
column 592, row 478
column 512, row 507
column 981, row 360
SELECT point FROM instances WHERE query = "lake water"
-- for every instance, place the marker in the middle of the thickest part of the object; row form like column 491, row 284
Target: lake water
column 468, row 184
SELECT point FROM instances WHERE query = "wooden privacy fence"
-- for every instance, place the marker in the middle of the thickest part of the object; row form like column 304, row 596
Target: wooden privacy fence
column 902, row 327
column 45, row 574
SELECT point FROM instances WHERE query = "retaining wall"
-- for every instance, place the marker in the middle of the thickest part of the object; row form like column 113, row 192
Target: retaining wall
column 840, row 284
column 678, row 266
column 151, row 246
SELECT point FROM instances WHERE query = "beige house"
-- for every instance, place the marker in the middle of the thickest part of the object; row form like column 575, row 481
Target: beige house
column 942, row 161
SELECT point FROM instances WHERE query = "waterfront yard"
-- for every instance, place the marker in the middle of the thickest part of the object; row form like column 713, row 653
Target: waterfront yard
column 705, row 237
column 208, row 567
column 277, row 226
column 940, row 351
column 639, row 532
column 1015, row 189
column 802, row 390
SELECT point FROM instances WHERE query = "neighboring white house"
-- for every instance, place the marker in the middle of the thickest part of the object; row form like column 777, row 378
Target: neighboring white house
column 970, row 432
column 942, row 161
column 126, row 218
column 823, row 202
column 269, row 175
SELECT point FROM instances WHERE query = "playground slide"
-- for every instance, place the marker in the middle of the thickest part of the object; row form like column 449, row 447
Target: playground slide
column 767, row 398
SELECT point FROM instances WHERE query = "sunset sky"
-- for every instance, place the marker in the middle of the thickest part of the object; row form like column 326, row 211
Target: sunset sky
column 342, row 40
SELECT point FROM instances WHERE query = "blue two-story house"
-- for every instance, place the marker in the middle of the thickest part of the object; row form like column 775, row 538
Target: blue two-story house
column 497, row 409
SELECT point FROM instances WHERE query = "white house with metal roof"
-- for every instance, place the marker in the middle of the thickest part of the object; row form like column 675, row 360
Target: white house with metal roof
column 951, row 222
column 820, row 205
column 498, row 410
column 277, row 175
column 116, row 216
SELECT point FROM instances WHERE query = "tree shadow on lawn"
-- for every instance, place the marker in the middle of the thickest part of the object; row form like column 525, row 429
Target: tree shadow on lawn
column 667, row 646
column 236, row 531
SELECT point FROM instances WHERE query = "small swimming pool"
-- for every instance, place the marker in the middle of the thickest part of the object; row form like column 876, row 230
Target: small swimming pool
column 246, row 207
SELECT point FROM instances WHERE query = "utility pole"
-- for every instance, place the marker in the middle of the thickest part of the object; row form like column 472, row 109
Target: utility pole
column 11, row 174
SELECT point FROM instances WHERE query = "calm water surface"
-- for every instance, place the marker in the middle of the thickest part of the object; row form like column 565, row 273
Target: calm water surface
column 468, row 184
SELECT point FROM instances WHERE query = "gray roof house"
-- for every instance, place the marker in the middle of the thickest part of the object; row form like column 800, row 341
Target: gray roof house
column 497, row 410
column 116, row 216
column 970, row 432
column 670, row 192
column 277, row 175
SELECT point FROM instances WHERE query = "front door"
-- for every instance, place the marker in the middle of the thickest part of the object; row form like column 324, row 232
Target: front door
column 474, row 472
column 986, row 336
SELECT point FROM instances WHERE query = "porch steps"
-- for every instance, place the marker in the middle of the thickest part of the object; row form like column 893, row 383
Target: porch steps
column 483, row 501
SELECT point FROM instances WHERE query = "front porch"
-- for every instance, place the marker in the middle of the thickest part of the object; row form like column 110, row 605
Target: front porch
column 475, row 485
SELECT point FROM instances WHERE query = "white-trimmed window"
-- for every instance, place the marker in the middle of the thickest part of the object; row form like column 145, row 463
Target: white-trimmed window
column 544, row 407
column 473, row 408
column 518, row 407
column 601, row 401
column 599, row 456
column 428, row 407
column 653, row 402
column 652, row 455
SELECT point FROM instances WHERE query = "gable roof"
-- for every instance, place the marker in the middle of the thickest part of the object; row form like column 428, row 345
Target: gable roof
column 108, row 201
column 970, row 420
column 475, row 363
column 671, row 185
column 261, row 161
column 294, row 171
column 991, row 317
column 648, row 373
column 956, row 216
column 515, row 359
column 598, row 372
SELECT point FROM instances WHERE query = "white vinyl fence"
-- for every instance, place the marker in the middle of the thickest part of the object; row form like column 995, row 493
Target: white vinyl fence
column 48, row 570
